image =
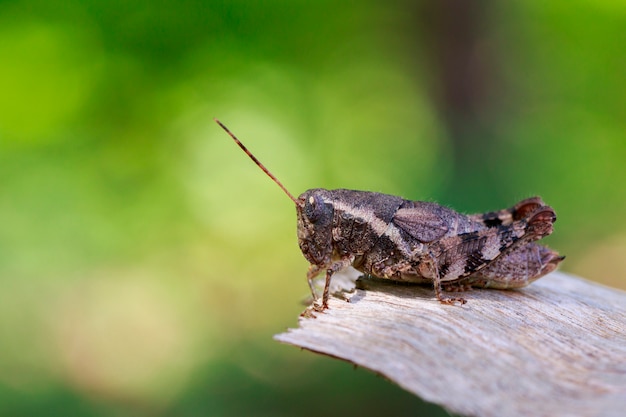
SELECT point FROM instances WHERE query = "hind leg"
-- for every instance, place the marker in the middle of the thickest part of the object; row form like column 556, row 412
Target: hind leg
column 516, row 269
column 452, row 260
column 507, row 216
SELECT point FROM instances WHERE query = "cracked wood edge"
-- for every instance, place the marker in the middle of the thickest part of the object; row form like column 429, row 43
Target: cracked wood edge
column 554, row 348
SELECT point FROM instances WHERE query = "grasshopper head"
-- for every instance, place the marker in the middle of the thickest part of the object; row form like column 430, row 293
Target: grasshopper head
column 315, row 224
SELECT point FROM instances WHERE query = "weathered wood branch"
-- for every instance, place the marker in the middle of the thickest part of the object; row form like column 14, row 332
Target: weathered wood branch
column 555, row 348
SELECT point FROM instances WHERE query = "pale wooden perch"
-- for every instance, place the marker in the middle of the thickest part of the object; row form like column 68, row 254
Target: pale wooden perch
column 555, row 348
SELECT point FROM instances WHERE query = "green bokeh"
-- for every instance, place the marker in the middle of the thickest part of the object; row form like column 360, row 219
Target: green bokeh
column 145, row 262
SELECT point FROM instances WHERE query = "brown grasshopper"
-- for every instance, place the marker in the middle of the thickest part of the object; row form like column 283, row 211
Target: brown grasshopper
column 414, row 241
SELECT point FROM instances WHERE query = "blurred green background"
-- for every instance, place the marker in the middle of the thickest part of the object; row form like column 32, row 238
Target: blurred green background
column 145, row 262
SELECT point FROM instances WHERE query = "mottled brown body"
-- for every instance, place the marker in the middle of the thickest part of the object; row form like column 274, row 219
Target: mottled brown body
column 389, row 237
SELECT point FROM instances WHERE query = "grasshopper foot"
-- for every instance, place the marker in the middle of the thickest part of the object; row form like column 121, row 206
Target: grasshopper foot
column 319, row 307
column 452, row 300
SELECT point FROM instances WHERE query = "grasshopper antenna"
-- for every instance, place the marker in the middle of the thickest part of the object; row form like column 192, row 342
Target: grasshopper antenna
column 259, row 164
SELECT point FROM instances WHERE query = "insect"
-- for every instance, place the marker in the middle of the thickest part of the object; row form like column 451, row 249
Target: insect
column 386, row 236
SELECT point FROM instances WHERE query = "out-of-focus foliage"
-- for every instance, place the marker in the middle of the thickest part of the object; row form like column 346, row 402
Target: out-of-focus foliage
column 145, row 262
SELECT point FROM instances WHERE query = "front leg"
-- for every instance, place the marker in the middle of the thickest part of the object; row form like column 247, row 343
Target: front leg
column 314, row 270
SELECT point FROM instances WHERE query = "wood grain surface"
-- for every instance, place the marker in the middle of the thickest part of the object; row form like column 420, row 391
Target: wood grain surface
column 555, row 348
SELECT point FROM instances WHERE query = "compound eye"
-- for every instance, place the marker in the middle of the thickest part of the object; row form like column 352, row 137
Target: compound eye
column 313, row 208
